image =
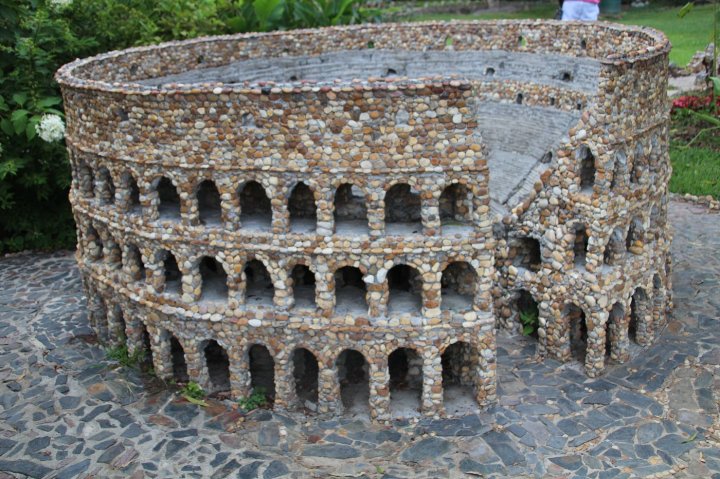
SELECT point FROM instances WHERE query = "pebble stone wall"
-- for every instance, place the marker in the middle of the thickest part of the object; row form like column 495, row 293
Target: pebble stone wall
column 213, row 226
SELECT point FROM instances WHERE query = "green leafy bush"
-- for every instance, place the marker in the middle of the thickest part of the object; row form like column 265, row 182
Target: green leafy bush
column 38, row 36
column 123, row 357
column 529, row 321
column 192, row 390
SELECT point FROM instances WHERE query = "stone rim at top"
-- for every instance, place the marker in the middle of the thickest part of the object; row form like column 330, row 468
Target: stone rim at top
column 71, row 75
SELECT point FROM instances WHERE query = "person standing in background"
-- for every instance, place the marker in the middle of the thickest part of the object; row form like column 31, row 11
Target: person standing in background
column 587, row 10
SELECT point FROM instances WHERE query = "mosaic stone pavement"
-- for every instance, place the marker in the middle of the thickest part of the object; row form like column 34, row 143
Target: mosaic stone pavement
column 66, row 411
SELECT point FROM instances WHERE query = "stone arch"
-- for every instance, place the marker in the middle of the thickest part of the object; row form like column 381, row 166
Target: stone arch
column 405, row 289
column 302, row 208
column 581, row 241
column 353, row 375
column 634, row 239
column 178, row 360
column 85, row 180
column 168, row 198
column 302, row 285
column 403, row 209
column 525, row 252
column 615, row 247
column 585, row 160
column 217, row 364
column 259, row 284
column 460, row 361
column 620, row 170
column 130, row 193
column 459, row 284
column 214, row 280
column 576, row 324
column 456, row 204
column 350, row 206
column 261, row 365
column 105, row 186
column 350, row 289
column 255, row 206
column 527, row 310
column 306, row 373
column 405, row 369
column 172, row 275
column 209, row 203
column 134, row 264
column 93, row 244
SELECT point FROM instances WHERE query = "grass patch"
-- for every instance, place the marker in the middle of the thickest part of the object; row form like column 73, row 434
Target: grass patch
column 688, row 35
column 123, row 357
column 695, row 171
column 257, row 399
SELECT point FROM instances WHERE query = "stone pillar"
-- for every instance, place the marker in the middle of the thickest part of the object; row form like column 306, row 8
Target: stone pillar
column 379, row 389
column 239, row 374
column 430, row 212
column 162, row 355
column 376, row 213
column 284, row 382
column 149, row 199
column 325, row 212
column 196, row 367
column 191, row 279
column 377, row 298
column 133, row 333
column 116, row 328
column 485, row 381
column 431, row 292
column 595, row 350
column 644, row 316
column 432, row 391
column 328, row 390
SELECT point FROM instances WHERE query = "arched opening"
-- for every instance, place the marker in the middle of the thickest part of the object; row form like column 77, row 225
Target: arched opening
column 93, row 245
column 136, row 267
column 354, row 378
column 262, row 372
column 405, row 289
column 118, row 327
column 305, row 374
column 112, row 252
column 173, row 276
column 614, row 322
column 455, row 207
column 146, row 362
column 132, row 194
column 633, row 240
column 303, row 286
column 586, row 162
column 209, row 204
column 402, row 210
column 169, row 206
column 615, row 248
column 255, row 208
column 106, row 187
column 214, row 280
column 577, row 328
column 525, row 253
column 302, row 209
column 218, row 366
column 619, row 170
column 259, row 289
column 350, row 210
column 460, row 362
column 86, row 181
column 580, row 245
column 350, row 291
column 528, row 313
column 179, row 365
column 406, row 379
column 458, row 285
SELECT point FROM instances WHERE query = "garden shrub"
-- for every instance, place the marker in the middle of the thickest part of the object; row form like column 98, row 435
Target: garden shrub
column 38, row 36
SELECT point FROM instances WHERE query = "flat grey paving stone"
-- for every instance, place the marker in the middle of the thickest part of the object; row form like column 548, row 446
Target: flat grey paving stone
column 428, row 448
column 334, row 451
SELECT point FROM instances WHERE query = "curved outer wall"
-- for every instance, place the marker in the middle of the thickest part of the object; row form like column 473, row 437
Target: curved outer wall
column 373, row 134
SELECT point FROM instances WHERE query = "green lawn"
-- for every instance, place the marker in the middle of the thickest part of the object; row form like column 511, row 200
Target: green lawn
column 687, row 35
column 695, row 171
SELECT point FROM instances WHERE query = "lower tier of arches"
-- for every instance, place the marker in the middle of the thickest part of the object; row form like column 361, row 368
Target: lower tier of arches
column 432, row 372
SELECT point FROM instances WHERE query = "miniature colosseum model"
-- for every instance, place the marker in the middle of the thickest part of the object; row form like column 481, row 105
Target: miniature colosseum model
column 345, row 216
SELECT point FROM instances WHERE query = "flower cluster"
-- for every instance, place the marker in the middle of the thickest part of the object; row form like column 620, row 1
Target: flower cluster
column 692, row 102
column 51, row 128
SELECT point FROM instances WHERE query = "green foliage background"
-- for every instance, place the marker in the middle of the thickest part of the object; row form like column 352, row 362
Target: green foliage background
column 38, row 36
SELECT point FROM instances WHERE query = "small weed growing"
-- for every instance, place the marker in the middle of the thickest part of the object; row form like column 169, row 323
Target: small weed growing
column 529, row 321
column 123, row 357
column 257, row 399
column 192, row 390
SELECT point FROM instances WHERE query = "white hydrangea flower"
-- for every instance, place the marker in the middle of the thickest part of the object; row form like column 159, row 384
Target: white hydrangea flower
column 51, row 128
column 60, row 4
